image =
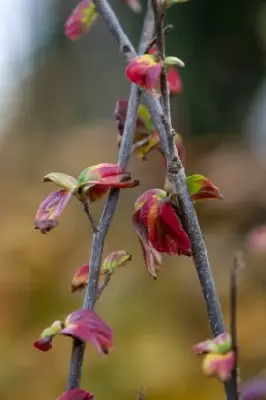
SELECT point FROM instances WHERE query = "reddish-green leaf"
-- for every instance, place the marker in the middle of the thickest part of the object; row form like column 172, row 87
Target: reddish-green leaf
column 65, row 181
column 95, row 181
column 50, row 209
column 116, row 259
column 144, row 71
column 83, row 325
column 76, row 394
column 81, row 19
column 200, row 188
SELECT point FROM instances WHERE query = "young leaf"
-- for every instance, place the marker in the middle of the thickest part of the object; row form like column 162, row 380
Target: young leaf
column 144, row 71
column 63, row 180
column 174, row 61
column 174, row 80
column 200, row 188
column 218, row 365
column 76, row 394
column 116, row 259
column 87, row 326
column 50, row 209
column 83, row 325
column 95, row 181
column 81, row 19
column 80, row 278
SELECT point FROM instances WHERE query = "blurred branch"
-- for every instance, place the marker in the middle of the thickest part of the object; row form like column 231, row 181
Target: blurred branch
column 141, row 393
column 78, row 348
column 238, row 263
column 177, row 177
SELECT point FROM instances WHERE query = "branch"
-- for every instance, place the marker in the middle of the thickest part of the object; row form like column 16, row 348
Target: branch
column 78, row 348
column 238, row 263
column 177, row 177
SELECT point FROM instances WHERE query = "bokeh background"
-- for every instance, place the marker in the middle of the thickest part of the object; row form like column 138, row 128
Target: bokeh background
column 57, row 101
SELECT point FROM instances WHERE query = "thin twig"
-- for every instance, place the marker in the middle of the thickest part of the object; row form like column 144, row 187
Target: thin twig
column 177, row 178
column 167, row 29
column 107, row 279
column 97, row 245
column 90, row 216
column 238, row 263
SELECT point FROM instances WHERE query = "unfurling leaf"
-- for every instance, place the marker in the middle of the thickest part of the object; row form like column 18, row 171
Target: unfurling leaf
column 113, row 260
column 62, row 180
column 218, row 357
column 144, row 71
column 76, row 394
column 81, row 19
column 95, row 181
column 174, row 61
column 83, row 325
column 200, row 187
column 116, row 259
column 50, row 209
column 159, row 228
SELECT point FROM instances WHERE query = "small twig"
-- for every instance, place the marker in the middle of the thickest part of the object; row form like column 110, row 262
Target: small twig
column 238, row 264
column 141, row 394
column 97, row 245
column 90, row 216
column 107, row 279
column 167, row 29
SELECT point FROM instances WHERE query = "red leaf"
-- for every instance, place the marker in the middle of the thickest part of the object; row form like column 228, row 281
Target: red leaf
column 87, row 326
column 151, row 257
column 76, row 394
column 144, row 71
column 43, row 344
column 167, row 233
column 174, row 81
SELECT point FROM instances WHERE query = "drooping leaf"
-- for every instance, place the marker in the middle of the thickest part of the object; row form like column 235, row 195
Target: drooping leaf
column 50, row 209
column 63, row 180
column 144, row 71
column 43, row 344
column 200, row 187
column 76, row 394
column 151, row 257
column 116, row 259
column 86, row 326
column 174, row 61
column 81, row 19
column 166, row 232
column 158, row 194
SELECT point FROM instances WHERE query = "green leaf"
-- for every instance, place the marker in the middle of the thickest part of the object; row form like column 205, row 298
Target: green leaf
column 62, row 180
column 145, row 116
column 115, row 259
column 174, row 61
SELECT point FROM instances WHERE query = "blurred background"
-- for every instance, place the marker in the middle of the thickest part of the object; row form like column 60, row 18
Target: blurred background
column 57, row 101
